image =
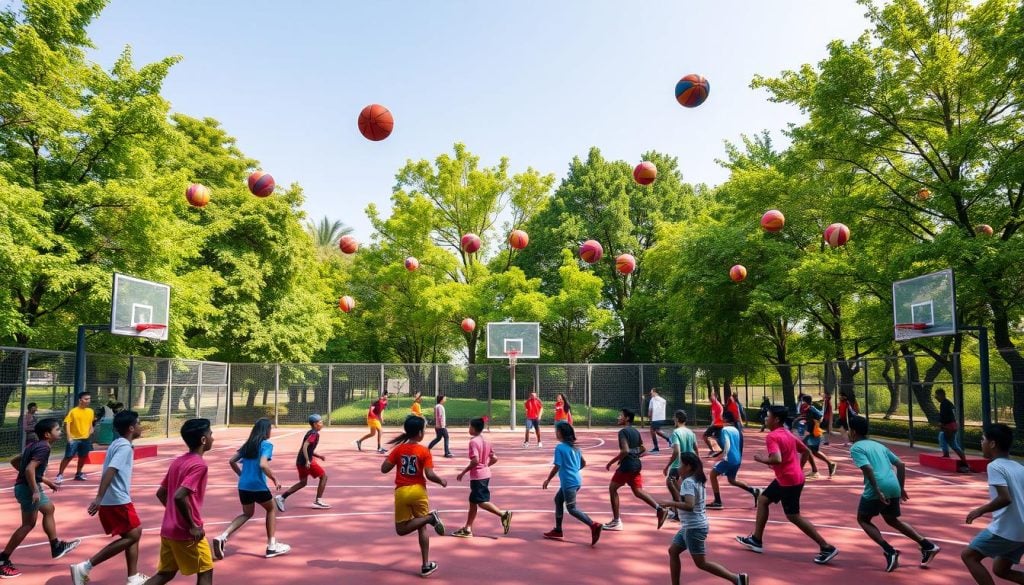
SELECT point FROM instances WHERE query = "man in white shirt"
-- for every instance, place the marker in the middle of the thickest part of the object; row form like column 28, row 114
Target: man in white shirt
column 656, row 414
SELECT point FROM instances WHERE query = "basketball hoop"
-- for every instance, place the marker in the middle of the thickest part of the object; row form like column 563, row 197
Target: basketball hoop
column 913, row 326
column 150, row 330
column 512, row 355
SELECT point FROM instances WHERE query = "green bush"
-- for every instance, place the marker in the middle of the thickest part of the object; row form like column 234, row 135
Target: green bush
column 249, row 414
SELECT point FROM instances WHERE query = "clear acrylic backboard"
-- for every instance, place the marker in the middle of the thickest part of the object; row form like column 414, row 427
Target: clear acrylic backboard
column 136, row 304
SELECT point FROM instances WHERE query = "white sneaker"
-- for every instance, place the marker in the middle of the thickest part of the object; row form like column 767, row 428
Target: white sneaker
column 137, row 579
column 277, row 549
column 79, row 574
column 59, row 479
column 279, row 502
column 525, row 445
column 614, row 525
column 321, row 505
column 540, row 444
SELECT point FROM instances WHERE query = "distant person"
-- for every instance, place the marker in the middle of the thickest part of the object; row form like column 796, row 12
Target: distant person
column 28, row 422
column 656, row 413
column 416, row 409
column 563, row 410
column 731, row 458
column 826, row 419
column 631, row 448
column 567, row 465
column 306, row 465
column 441, row 426
column 481, row 458
column 80, row 421
column 534, row 409
column 812, row 439
column 845, row 412
column 948, row 428
column 375, row 421
column 717, row 423
column 762, row 414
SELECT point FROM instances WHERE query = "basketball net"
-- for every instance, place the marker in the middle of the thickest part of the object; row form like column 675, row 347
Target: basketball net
column 512, row 356
column 150, row 330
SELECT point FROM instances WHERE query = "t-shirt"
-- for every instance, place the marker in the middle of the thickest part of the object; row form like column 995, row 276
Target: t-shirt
column 120, row 456
column 844, row 406
column 411, row 461
column 656, row 408
column 79, row 423
column 631, row 462
column 785, row 444
column 733, row 407
column 252, row 478
column 716, row 414
column 533, row 408
column 416, row 409
column 188, row 471
column 440, row 421
column 947, row 412
column 1009, row 521
column 312, row 438
column 568, row 459
column 684, row 438
column 560, row 412
column 34, row 451
column 28, row 424
column 376, row 409
column 872, row 453
column 735, row 453
column 697, row 518
column 481, row 449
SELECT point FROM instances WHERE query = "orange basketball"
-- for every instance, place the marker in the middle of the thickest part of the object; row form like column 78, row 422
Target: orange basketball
column 984, row 230
column 197, row 195
column 625, row 263
column 836, row 235
column 518, row 239
column 923, row 194
column 411, row 263
column 376, row 122
column 773, row 220
column 261, row 184
column 468, row 325
column 645, row 173
column 738, row 273
column 470, row 243
column 348, row 244
column 591, row 251
column 346, row 303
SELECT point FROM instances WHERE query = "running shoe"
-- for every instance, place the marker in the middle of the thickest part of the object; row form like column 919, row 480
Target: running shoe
column 428, row 569
column 279, row 502
column 63, row 547
column 462, row 533
column 832, row 469
column 8, row 571
column 59, row 479
column 382, row 451
column 927, row 554
column 714, row 506
column 506, row 521
column 826, row 555
column 615, row 525
column 79, row 477
column 744, row 579
column 813, row 475
column 595, row 533
column 892, row 560
column 757, row 494
column 277, row 549
column 550, row 534
column 79, row 574
column 751, row 543
column 138, row 579
column 359, row 445
column 218, row 548
column 438, row 524
column 540, row 444
column 321, row 505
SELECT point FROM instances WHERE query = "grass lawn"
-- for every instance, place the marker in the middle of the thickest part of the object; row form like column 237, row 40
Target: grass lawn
column 459, row 411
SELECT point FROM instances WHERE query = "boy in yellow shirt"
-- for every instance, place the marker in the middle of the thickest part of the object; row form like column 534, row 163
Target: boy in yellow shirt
column 79, row 422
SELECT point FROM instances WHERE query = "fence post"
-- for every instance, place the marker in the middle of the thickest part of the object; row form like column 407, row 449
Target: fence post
column 170, row 389
column 958, row 397
column 437, row 385
column 229, row 397
column 277, row 388
column 589, row 392
column 693, row 394
column 640, row 367
column 199, row 389
column 330, row 392
column 381, row 389
column 490, row 398
column 995, row 403
column 131, row 380
column 867, row 397
column 910, row 410
column 24, row 398
column 799, row 382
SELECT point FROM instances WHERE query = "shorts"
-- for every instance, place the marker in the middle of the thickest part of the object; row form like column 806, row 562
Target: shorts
column 188, row 557
column 373, row 423
column 479, row 491
column 314, row 470
column 119, row 519
column 713, row 431
column 997, row 547
column 874, row 507
column 24, row 496
column 727, row 469
column 673, row 473
column 659, row 424
column 843, row 424
column 631, row 478
column 254, row 497
column 80, row 447
column 411, row 502
column 813, row 443
column 532, row 423
column 691, row 539
column 789, row 496
column 949, row 427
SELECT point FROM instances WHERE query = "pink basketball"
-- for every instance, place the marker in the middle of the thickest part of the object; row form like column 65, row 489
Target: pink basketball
column 836, row 235
column 348, row 244
column 625, row 263
column 468, row 325
column 591, row 251
column 411, row 263
column 737, row 273
column 470, row 243
column 346, row 303
column 984, row 230
column 518, row 239
column 197, row 195
column 261, row 184
column 645, row 173
column 772, row 220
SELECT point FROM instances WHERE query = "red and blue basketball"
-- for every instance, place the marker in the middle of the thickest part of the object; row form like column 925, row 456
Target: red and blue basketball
column 591, row 251
column 197, row 195
column 645, row 173
column 261, row 184
column 411, row 263
column 376, row 122
column 692, row 90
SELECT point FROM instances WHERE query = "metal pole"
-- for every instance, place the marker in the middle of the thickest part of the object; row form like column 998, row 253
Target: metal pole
column 131, row 381
column 24, row 397
column 227, row 404
column 437, row 385
column 867, row 401
column 277, row 388
column 693, row 395
column 986, row 397
column 199, row 389
column 512, row 397
column 490, row 394
column 910, row 410
column 640, row 367
column 80, row 355
column 380, row 390
column 330, row 392
column 958, row 395
column 590, row 394
column 170, row 386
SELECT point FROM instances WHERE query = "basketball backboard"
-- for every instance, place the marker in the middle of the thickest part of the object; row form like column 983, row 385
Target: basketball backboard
column 523, row 338
column 924, row 306
column 138, row 302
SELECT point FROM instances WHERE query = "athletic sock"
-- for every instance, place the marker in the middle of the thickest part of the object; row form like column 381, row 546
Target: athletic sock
column 888, row 548
column 223, row 536
column 87, row 565
column 272, row 542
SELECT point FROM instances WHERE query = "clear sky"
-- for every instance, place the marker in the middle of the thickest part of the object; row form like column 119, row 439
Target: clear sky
column 537, row 81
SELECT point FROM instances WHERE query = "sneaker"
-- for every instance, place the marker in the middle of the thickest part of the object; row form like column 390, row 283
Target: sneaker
column 79, row 477
column 716, row 505
column 757, row 494
column 751, row 543
column 927, row 554
column 57, row 480
column 382, row 451
column 506, row 521
column 832, row 469
column 743, row 579
column 963, row 469
column 462, row 533
column 218, row 547
column 79, row 574
column 826, row 555
column 550, row 534
column 448, row 456
column 8, row 571
column 813, row 475
column 64, row 547
column 712, row 455
column 595, row 533
column 321, row 505
column 662, row 515
column 438, row 524
column 615, row 525
column 525, row 445
column 138, row 579
column 540, row 444
column 892, row 560
column 428, row 569
column 277, row 549
column 655, row 450
column 359, row 445
column 279, row 502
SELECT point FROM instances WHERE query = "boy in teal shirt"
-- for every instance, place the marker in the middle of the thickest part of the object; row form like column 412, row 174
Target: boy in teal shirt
column 682, row 440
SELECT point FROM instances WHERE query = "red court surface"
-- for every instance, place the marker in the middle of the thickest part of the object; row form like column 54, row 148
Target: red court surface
column 355, row 541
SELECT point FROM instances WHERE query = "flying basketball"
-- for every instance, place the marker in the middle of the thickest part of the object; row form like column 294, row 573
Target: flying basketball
column 923, row 194
column 468, row 325
column 591, row 251
column 348, row 244
column 645, row 173
column 197, row 195
column 738, row 273
column 836, row 235
column 518, row 239
column 376, row 122
column 346, row 303
column 411, row 263
column 692, row 90
column 470, row 243
column 261, row 184
column 625, row 263
column 984, row 230
column 773, row 220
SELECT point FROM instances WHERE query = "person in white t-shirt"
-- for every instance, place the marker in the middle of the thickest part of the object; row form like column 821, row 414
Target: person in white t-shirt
column 656, row 414
column 1003, row 539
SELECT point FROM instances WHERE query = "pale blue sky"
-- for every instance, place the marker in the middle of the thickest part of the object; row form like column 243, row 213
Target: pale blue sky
column 538, row 81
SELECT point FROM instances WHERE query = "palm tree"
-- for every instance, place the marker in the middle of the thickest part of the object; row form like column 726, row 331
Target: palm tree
column 326, row 233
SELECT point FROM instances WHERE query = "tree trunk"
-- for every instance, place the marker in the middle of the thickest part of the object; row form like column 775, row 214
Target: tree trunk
column 788, row 384
column 893, row 385
column 1008, row 351
column 922, row 390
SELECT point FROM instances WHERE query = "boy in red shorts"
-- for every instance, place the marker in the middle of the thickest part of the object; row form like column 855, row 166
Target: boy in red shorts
column 631, row 447
column 307, row 466
column 114, row 504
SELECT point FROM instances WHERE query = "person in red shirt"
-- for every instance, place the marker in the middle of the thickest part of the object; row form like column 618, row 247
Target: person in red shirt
column 826, row 419
column 844, row 418
column 563, row 410
column 716, row 424
column 534, row 408
column 413, row 466
column 375, row 420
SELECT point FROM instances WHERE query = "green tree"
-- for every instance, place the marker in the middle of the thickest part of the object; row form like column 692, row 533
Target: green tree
column 326, row 233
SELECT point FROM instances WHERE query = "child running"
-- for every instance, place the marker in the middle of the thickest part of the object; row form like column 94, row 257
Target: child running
column 656, row 412
column 568, row 463
column 732, row 448
column 883, row 491
column 683, row 440
column 414, row 466
column 114, row 504
column 28, row 491
column 374, row 420
column 183, row 546
column 481, row 458
column 631, row 448
column 717, row 423
column 1003, row 539
column 306, row 465
column 812, row 439
column 441, row 426
column 255, row 456
column 693, row 533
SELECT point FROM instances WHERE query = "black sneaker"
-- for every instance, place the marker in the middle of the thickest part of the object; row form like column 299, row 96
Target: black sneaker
column 751, row 543
column 428, row 569
column 927, row 554
column 757, row 494
column 506, row 521
column 714, row 506
column 743, row 579
column 963, row 469
column 64, row 547
column 826, row 555
column 892, row 560
column 438, row 525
